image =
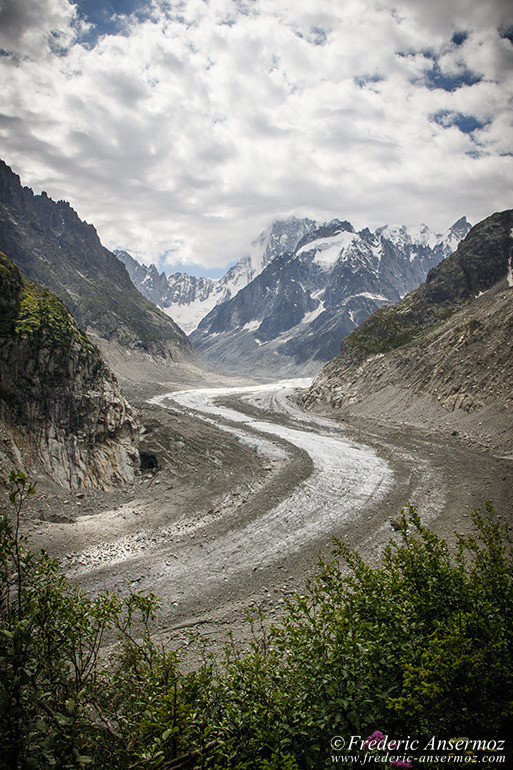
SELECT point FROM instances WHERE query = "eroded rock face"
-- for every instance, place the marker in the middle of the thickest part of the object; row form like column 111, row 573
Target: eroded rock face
column 465, row 363
column 60, row 405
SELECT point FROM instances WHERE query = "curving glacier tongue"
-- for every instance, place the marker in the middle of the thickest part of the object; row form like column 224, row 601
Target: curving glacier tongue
column 346, row 477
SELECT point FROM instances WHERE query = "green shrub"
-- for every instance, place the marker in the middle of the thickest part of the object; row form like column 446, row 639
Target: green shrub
column 420, row 646
column 59, row 705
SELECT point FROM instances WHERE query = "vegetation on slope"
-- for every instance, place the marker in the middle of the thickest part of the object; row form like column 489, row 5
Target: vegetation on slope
column 419, row 647
column 35, row 311
column 59, row 402
column 34, row 322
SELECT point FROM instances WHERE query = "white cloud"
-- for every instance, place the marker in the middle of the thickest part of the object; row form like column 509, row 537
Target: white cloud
column 37, row 27
column 193, row 128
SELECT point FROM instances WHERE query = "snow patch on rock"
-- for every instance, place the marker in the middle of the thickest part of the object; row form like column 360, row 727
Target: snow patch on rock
column 328, row 250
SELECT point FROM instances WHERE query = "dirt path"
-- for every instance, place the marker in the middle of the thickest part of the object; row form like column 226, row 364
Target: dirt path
column 235, row 518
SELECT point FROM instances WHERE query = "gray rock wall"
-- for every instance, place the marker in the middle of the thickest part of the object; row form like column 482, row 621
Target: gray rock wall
column 60, row 406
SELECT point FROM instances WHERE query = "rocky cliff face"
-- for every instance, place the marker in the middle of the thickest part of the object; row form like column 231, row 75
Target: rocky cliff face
column 291, row 317
column 54, row 248
column 60, row 407
column 445, row 352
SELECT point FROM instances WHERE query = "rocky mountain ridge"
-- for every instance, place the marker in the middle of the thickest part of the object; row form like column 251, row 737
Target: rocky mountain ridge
column 54, row 248
column 61, row 409
column 444, row 353
column 291, row 317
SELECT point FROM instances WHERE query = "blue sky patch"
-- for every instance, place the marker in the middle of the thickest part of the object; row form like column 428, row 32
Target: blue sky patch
column 104, row 15
column 427, row 53
column 362, row 80
column 507, row 33
column 435, row 78
column 316, row 36
column 466, row 123
column 459, row 38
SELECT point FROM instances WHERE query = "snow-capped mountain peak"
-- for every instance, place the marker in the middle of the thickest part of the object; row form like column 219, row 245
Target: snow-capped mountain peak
column 450, row 239
column 403, row 236
column 294, row 314
column 280, row 238
column 188, row 299
column 286, row 306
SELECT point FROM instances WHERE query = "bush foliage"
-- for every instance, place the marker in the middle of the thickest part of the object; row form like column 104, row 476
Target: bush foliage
column 419, row 646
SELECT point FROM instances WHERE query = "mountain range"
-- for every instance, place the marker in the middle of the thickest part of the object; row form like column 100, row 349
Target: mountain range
column 305, row 288
column 284, row 309
column 188, row 299
column 291, row 317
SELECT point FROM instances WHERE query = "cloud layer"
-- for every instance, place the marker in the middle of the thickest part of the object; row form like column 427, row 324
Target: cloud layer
column 184, row 133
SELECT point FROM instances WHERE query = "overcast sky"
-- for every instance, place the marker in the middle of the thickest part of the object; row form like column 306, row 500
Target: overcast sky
column 181, row 129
